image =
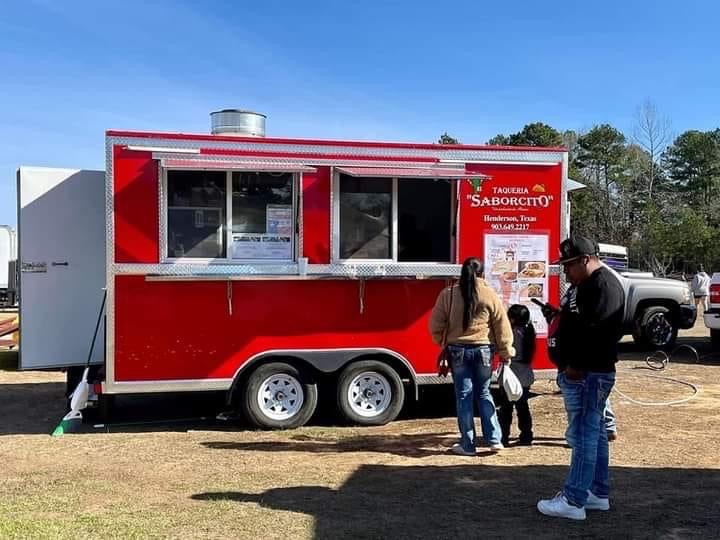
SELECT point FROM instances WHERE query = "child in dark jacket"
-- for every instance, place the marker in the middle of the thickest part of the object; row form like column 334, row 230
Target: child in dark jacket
column 524, row 343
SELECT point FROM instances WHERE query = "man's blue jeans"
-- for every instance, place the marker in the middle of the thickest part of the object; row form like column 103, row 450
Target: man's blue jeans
column 472, row 371
column 589, row 467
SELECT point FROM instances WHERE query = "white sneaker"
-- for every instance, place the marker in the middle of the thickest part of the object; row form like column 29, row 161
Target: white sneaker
column 559, row 506
column 496, row 447
column 460, row 451
column 596, row 503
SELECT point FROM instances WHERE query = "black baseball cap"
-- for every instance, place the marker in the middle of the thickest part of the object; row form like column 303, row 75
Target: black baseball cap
column 576, row 246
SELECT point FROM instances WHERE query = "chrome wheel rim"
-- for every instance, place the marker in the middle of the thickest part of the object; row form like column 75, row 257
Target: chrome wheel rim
column 660, row 329
column 369, row 394
column 280, row 396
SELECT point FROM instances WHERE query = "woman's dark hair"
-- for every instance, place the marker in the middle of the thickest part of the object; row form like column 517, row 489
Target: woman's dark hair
column 472, row 269
column 519, row 315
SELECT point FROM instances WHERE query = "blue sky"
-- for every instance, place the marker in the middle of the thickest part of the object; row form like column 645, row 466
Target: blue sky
column 374, row 70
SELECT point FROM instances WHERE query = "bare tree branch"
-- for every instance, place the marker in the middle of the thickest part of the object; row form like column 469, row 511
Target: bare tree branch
column 653, row 134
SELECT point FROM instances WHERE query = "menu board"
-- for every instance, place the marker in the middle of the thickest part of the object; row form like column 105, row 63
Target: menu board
column 261, row 246
column 516, row 266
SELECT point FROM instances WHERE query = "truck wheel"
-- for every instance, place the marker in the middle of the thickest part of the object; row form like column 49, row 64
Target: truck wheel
column 279, row 396
column 658, row 328
column 715, row 338
column 370, row 393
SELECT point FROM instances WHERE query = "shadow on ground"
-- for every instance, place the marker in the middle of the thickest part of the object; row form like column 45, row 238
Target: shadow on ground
column 478, row 500
column 416, row 445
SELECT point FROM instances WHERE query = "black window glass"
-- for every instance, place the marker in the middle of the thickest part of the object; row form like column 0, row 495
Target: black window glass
column 196, row 214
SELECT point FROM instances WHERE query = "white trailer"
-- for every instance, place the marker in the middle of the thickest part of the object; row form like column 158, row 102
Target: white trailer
column 61, row 238
column 8, row 254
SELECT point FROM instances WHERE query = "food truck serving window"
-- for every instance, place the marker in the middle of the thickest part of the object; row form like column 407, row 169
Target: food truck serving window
column 394, row 219
column 231, row 215
column 196, row 214
column 262, row 215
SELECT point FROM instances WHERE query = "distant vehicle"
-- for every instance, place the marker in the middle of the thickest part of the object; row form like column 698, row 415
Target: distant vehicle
column 712, row 315
column 616, row 257
column 634, row 272
column 8, row 257
column 656, row 308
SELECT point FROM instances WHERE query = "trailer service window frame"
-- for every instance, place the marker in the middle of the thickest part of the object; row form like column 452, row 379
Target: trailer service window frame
column 393, row 178
column 224, row 229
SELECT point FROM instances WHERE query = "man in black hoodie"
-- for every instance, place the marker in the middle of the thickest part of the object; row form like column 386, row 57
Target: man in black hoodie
column 582, row 341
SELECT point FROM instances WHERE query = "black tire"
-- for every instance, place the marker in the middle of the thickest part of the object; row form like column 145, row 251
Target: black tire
column 715, row 338
column 658, row 328
column 280, row 410
column 370, row 393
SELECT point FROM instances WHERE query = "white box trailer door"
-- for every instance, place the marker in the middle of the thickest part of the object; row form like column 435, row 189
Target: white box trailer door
column 61, row 241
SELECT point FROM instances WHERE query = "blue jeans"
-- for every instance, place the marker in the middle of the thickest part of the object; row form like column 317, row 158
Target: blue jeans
column 472, row 370
column 585, row 405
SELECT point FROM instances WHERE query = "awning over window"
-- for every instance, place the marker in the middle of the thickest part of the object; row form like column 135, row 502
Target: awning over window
column 410, row 172
column 227, row 165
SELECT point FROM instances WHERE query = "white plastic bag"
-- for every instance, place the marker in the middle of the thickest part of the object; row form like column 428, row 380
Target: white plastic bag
column 511, row 384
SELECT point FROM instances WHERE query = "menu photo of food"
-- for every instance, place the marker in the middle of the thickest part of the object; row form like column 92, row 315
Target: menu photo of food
column 500, row 268
column 532, row 269
column 532, row 290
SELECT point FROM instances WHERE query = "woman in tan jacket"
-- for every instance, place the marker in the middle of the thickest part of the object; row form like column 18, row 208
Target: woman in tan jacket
column 472, row 319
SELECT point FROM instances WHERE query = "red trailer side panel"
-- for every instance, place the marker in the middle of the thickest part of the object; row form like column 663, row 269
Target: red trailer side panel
column 135, row 188
column 158, row 337
column 316, row 216
column 516, row 200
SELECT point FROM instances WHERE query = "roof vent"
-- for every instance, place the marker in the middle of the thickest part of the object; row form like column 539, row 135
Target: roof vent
column 238, row 123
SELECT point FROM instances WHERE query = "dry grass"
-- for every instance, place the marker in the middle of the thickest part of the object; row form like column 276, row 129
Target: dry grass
column 211, row 480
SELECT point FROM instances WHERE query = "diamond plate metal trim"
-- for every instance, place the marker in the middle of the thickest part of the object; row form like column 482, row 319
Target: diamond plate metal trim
column 334, row 213
column 564, row 223
column 292, row 163
column 190, row 385
column 386, row 270
column 162, row 213
column 433, row 379
column 233, row 165
column 299, row 214
column 109, row 266
column 366, row 270
column 349, row 149
column 191, row 269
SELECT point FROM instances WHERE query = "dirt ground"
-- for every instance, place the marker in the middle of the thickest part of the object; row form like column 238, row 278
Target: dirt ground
column 169, row 469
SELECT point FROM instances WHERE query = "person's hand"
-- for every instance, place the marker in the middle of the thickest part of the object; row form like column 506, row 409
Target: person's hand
column 506, row 361
column 549, row 311
column 573, row 374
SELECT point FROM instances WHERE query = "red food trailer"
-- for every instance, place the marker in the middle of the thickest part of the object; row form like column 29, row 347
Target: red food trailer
column 270, row 267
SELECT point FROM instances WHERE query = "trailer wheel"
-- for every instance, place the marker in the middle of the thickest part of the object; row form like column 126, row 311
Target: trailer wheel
column 370, row 393
column 279, row 396
column 657, row 327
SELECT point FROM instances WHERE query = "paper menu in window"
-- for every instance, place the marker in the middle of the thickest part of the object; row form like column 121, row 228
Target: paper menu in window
column 256, row 246
column 278, row 219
